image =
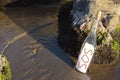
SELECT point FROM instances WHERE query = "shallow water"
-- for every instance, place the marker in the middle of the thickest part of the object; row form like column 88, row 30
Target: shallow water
column 36, row 54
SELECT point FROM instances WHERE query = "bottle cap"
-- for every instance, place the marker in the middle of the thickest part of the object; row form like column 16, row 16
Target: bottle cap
column 99, row 15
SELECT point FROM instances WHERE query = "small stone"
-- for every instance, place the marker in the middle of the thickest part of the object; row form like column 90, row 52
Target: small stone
column 34, row 51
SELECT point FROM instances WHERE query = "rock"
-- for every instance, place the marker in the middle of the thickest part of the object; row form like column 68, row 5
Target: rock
column 84, row 13
column 109, row 21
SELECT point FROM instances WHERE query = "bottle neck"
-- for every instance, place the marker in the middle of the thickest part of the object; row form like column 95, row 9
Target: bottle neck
column 95, row 26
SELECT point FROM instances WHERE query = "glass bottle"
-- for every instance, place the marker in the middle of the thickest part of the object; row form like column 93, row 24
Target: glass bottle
column 88, row 48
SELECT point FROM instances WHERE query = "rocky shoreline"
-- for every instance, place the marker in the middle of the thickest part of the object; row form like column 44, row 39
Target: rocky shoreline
column 71, row 35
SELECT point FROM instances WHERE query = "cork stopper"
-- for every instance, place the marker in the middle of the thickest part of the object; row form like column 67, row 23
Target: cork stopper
column 99, row 15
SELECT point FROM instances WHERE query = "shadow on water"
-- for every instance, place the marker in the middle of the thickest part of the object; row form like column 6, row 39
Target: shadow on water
column 39, row 21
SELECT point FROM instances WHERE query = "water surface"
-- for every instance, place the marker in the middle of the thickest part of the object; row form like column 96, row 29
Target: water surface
column 36, row 54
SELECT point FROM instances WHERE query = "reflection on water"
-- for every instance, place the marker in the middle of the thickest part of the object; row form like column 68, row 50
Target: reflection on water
column 117, row 74
column 84, row 77
column 102, row 72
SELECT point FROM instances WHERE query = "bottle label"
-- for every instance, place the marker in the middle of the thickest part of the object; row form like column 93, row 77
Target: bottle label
column 85, row 58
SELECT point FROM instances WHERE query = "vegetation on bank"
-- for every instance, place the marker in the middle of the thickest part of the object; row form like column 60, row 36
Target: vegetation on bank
column 5, row 73
column 116, row 34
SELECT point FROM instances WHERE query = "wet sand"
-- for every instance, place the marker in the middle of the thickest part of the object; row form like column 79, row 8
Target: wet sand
column 34, row 53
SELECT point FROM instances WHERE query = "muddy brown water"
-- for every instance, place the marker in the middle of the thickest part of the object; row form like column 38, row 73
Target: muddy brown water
column 34, row 53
